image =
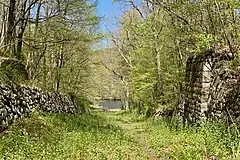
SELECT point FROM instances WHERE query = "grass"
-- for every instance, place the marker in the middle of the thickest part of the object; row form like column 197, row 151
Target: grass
column 207, row 142
column 113, row 136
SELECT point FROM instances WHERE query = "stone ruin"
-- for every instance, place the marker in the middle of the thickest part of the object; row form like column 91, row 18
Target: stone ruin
column 212, row 90
column 17, row 101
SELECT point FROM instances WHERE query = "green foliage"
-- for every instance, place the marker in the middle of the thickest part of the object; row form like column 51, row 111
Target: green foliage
column 83, row 103
column 157, row 73
column 104, row 82
column 12, row 71
column 59, row 49
column 209, row 141
column 119, row 135
column 236, row 63
column 159, row 43
column 212, row 140
column 204, row 42
column 53, row 136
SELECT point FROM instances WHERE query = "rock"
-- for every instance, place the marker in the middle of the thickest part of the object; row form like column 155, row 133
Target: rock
column 18, row 101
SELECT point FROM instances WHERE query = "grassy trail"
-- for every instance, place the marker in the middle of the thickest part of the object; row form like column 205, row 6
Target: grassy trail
column 108, row 136
column 136, row 128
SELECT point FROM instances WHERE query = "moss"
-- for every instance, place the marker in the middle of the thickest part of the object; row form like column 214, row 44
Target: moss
column 13, row 70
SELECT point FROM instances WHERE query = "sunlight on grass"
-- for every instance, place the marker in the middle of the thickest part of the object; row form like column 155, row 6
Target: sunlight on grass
column 54, row 136
column 113, row 136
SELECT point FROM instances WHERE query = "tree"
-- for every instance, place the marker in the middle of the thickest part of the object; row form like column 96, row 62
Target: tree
column 157, row 37
column 52, row 39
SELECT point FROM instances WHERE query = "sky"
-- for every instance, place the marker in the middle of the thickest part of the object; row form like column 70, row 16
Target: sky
column 109, row 11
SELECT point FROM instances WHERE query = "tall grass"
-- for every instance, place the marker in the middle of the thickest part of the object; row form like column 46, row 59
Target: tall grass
column 116, row 136
column 207, row 141
column 210, row 140
column 61, row 137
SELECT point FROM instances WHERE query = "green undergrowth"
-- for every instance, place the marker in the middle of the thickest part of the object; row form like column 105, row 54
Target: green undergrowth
column 209, row 141
column 61, row 137
column 114, row 136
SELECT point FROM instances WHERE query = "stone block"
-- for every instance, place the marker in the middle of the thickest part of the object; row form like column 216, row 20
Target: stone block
column 206, row 85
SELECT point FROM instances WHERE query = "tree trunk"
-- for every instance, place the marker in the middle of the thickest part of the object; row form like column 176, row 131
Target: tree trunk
column 11, row 28
column 59, row 66
column 20, row 39
column 3, row 25
column 23, row 23
column 127, row 105
column 159, row 72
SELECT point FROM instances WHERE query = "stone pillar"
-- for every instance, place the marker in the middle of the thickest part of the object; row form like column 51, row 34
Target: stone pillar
column 206, row 86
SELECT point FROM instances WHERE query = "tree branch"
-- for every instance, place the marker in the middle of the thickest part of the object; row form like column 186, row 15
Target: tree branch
column 114, row 72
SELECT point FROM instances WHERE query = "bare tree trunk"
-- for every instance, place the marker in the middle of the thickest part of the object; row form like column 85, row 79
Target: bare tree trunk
column 59, row 66
column 11, row 28
column 23, row 24
column 45, row 48
column 127, row 105
column 3, row 25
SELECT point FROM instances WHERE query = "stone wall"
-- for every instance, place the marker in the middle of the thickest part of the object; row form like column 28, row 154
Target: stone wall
column 211, row 90
column 192, row 107
column 18, row 101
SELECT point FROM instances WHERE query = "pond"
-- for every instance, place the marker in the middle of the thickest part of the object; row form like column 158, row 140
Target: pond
column 111, row 104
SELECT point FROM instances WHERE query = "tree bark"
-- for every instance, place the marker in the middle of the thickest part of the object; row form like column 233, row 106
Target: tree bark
column 11, row 28
column 23, row 24
column 59, row 66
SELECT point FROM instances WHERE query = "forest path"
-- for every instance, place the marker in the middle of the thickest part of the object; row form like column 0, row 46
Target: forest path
column 103, row 135
column 137, row 128
column 99, row 135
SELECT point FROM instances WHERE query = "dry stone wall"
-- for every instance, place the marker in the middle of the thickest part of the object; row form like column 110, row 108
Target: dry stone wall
column 18, row 101
column 193, row 90
column 212, row 90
